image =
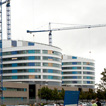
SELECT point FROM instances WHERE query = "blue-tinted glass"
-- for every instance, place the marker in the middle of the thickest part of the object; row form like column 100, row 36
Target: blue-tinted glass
column 0, row 53
column 74, row 72
column 14, row 52
column 31, row 70
column 14, row 71
column 88, row 72
column 88, row 68
column 74, row 77
column 14, row 65
column 0, row 44
column 88, row 82
column 74, row 67
column 4, row 89
column 50, row 71
column 30, row 44
column 2, row 98
column 74, row 81
column 14, row 77
column 73, row 57
column 50, row 57
column 88, row 77
column 31, row 51
column 50, row 77
column 74, row 63
column 14, row 43
column 31, row 58
column 31, row 64
column 25, row 89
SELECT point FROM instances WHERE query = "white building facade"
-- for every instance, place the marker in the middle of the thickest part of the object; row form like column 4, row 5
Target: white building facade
column 36, row 63
column 78, row 72
column 31, row 62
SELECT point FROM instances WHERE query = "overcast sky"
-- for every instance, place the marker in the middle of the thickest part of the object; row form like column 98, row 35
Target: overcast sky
column 35, row 14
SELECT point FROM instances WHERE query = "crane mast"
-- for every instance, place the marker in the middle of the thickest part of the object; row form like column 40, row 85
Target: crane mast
column 65, row 28
column 8, row 37
column 8, row 12
column 1, row 71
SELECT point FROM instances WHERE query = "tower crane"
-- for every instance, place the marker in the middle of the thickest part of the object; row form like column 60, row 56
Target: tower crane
column 8, row 16
column 65, row 28
column 8, row 37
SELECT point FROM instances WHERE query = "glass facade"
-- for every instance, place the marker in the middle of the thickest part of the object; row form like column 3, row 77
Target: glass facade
column 73, row 72
column 71, row 68
column 22, row 71
column 22, row 58
column 71, row 77
column 71, row 63
column 51, row 77
column 52, row 65
column 51, row 52
column 22, row 52
column 71, row 82
column 22, row 77
column 22, row 64
column 51, row 71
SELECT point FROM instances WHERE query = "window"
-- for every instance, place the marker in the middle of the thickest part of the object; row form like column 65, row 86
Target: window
column 14, row 52
column 14, row 43
column 73, row 57
column 31, row 51
column 88, row 82
column 71, row 68
column 31, row 58
column 73, row 72
column 71, row 63
column 30, row 44
column 45, row 51
column 88, row 68
column 88, row 63
column 92, row 73
column 71, row 77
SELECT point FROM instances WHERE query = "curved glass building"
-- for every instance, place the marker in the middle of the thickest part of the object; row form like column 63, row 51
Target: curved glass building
column 77, row 71
column 31, row 62
column 36, row 63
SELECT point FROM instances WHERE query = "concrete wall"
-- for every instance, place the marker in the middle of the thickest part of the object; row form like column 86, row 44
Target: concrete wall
column 15, row 93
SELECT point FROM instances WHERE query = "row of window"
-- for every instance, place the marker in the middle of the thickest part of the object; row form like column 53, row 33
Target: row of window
column 78, row 72
column 32, row 70
column 14, row 43
column 14, row 98
column 77, row 68
column 31, row 58
column 77, row 82
column 77, row 77
column 52, row 65
column 32, row 77
column 32, row 52
column 14, row 89
column 32, row 64
column 78, row 63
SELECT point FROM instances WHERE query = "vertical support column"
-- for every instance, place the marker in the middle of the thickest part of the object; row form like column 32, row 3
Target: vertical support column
column 1, row 70
column 8, row 12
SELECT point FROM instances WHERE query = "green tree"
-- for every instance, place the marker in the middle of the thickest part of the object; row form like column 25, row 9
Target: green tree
column 101, row 89
column 55, row 94
column 45, row 93
column 62, row 94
